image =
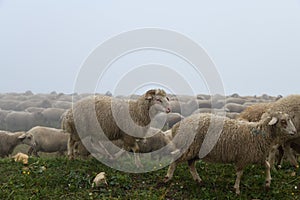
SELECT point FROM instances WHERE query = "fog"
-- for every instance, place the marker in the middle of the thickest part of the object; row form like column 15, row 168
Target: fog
column 254, row 45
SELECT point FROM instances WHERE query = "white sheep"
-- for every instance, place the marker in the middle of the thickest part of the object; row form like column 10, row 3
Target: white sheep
column 46, row 139
column 289, row 105
column 8, row 141
column 241, row 143
column 92, row 113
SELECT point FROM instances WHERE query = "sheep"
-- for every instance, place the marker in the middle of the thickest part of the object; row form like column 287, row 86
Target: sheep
column 23, row 121
column 87, row 113
column 232, row 115
column 33, row 103
column 81, row 148
column 240, row 143
column 46, row 139
column 155, row 140
column 235, row 100
column 289, row 105
column 234, row 107
column 167, row 120
column 253, row 113
column 21, row 157
column 8, row 141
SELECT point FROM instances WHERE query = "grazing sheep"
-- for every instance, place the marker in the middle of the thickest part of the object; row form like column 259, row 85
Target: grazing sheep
column 8, row 104
column 167, row 120
column 87, row 113
column 232, row 115
column 240, row 143
column 234, row 107
column 81, row 148
column 46, row 139
column 34, row 109
column 209, row 110
column 289, row 105
column 62, row 104
column 253, row 113
column 23, row 121
column 204, row 103
column 235, row 100
column 52, row 117
column 99, row 180
column 21, row 157
column 184, row 108
column 3, row 114
column 8, row 141
column 33, row 103
column 156, row 140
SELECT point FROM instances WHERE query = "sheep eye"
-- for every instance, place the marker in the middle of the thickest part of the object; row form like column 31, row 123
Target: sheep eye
column 168, row 98
column 283, row 122
column 159, row 100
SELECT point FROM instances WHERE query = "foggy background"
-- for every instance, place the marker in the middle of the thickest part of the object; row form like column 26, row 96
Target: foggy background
column 254, row 44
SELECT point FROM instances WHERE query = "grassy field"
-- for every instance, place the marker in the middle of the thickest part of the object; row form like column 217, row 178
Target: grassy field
column 59, row 178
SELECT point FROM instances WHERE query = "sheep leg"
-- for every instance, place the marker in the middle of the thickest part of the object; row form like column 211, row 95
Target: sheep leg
column 280, row 156
column 193, row 170
column 105, row 150
column 268, row 175
column 290, row 155
column 239, row 174
column 137, row 159
column 170, row 172
column 272, row 155
column 71, row 148
column 119, row 153
column 30, row 150
column 35, row 153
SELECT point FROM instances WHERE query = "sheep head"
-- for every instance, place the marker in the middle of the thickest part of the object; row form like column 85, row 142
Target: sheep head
column 29, row 140
column 281, row 121
column 158, row 101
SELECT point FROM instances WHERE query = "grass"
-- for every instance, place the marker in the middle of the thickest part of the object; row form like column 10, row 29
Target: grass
column 59, row 178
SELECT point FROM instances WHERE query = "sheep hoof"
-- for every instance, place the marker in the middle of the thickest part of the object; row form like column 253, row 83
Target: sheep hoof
column 237, row 190
column 71, row 157
column 267, row 187
column 200, row 183
column 166, row 179
column 279, row 166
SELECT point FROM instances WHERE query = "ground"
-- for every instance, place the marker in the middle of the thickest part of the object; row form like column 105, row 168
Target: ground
column 59, row 178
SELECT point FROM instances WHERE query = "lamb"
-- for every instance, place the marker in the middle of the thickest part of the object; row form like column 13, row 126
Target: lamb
column 95, row 115
column 46, row 139
column 155, row 140
column 240, row 143
column 8, row 142
column 21, row 157
column 289, row 105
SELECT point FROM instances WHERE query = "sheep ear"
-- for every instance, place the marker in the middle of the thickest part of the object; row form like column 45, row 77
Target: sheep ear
column 273, row 121
column 149, row 94
column 21, row 137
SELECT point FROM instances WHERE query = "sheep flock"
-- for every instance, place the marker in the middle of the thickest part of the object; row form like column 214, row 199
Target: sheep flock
column 238, row 130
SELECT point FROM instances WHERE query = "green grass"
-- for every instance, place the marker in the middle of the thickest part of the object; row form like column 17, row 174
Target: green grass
column 64, row 179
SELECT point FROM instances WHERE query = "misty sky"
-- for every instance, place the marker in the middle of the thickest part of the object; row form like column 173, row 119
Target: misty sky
column 255, row 44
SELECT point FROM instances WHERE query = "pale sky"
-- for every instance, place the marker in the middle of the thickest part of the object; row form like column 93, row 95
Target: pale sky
column 255, row 44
